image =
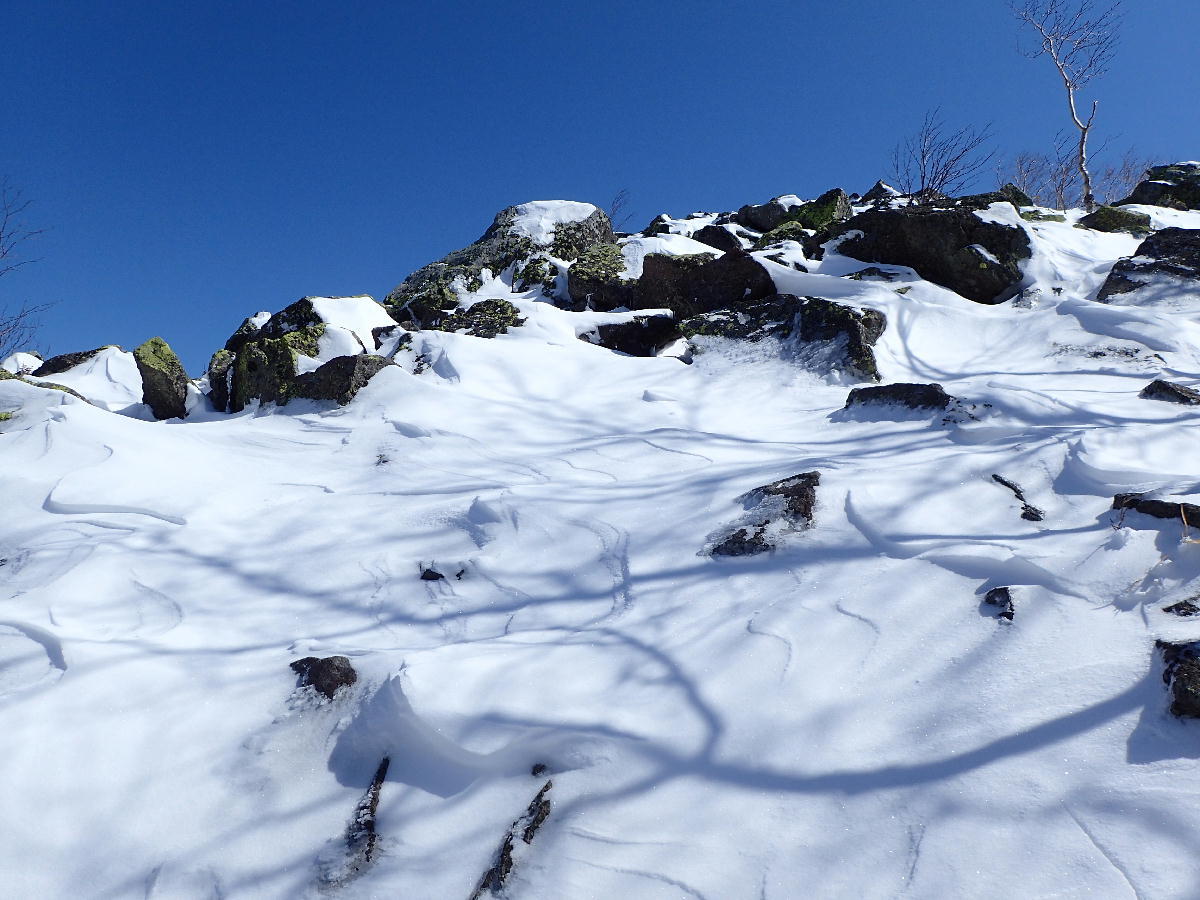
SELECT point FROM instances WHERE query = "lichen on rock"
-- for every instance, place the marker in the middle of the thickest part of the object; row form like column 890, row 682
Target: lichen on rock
column 164, row 381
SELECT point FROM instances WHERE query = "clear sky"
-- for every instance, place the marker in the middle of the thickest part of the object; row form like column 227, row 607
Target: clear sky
column 196, row 162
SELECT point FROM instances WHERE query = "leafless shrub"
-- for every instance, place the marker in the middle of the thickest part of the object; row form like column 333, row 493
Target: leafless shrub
column 935, row 161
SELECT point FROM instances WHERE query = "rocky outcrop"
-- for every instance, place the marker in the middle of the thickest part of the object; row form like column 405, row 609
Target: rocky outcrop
column 1169, row 392
column 1181, row 674
column 880, row 192
column 640, row 336
column 325, row 676
column 596, row 280
column 771, row 510
column 951, row 247
column 717, row 237
column 164, row 382
column 910, row 396
column 1112, row 219
column 427, row 292
column 338, row 380
column 1176, row 187
column 1172, row 253
column 832, row 206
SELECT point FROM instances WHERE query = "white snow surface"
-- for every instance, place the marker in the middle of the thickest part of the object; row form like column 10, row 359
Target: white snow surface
column 21, row 363
column 843, row 717
column 635, row 249
column 538, row 219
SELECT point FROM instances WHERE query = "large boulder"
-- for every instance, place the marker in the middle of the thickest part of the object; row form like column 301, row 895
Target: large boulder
column 719, row 237
column 639, row 336
column 1171, row 255
column 596, row 279
column 562, row 229
column 1176, row 186
column 339, row 379
column 831, row 207
column 911, row 396
column 164, row 382
column 955, row 248
column 729, row 280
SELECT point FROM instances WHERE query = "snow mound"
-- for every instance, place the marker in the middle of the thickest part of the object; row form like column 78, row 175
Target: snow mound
column 539, row 219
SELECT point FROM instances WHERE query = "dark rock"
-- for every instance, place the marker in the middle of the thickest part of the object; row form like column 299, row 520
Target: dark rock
column 1029, row 512
column 219, row 372
column 1189, row 513
column 1171, row 252
column 913, row 396
column 383, row 332
column 596, row 280
column 831, row 207
column 1181, row 673
column 56, row 365
column 788, row 231
column 880, row 191
column 246, row 332
column 729, row 280
column 788, row 503
column 1170, row 392
column 1111, row 219
column 1175, row 186
column 660, row 224
column 1010, row 193
column 762, row 217
column 300, row 316
column 640, row 336
column 1001, row 598
column 872, row 272
column 431, row 575
column 857, row 330
column 942, row 246
column 772, row 316
column 262, row 370
column 718, row 237
column 1184, row 608
column 427, row 291
column 482, row 319
column 538, row 769
column 339, row 380
column 164, row 382
column 325, row 676
column 663, row 282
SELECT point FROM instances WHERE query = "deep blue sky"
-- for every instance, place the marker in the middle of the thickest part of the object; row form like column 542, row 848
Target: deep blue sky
column 193, row 163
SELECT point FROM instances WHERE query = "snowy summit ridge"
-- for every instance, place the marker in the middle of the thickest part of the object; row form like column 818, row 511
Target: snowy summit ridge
column 830, row 547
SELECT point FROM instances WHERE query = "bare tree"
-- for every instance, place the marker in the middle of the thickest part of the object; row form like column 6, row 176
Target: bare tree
column 1118, row 179
column 936, row 161
column 616, row 207
column 1080, row 40
column 18, row 324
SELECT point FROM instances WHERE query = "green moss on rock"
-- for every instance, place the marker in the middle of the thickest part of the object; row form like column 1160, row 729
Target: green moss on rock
column 485, row 319
column 264, row 370
column 164, row 381
column 1112, row 219
column 1036, row 215
column 788, row 231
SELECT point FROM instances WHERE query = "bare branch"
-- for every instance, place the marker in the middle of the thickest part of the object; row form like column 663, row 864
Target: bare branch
column 617, row 206
column 17, row 325
column 935, row 161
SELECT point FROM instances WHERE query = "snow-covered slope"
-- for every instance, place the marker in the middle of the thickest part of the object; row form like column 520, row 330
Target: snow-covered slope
column 843, row 717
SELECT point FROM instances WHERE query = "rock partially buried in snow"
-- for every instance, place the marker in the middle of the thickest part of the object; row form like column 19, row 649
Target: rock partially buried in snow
column 482, row 319
column 56, row 365
column 1170, row 392
column 911, row 396
column 1169, row 259
column 771, row 510
column 1181, row 673
column 1112, row 219
column 1158, row 508
column 1000, row 600
column 339, row 379
column 325, row 676
column 639, row 336
column 164, row 382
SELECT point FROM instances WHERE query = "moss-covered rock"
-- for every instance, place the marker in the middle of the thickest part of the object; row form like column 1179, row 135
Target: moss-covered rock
column 164, row 382
column 340, row 379
column 264, row 371
column 484, row 319
column 1111, row 219
column 219, row 368
column 5, row 416
column 831, row 207
column 594, row 279
column 1037, row 215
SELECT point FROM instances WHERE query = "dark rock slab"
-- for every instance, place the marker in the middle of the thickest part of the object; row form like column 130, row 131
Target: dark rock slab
column 164, row 382
column 912, row 396
column 1001, row 599
column 482, row 319
column 1171, row 252
column 858, row 330
column 717, row 237
column 1169, row 392
column 1184, row 608
column 325, row 676
column 942, row 245
column 1158, row 508
column 596, row 280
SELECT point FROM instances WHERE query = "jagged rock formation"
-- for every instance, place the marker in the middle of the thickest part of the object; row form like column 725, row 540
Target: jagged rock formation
column 771, row 510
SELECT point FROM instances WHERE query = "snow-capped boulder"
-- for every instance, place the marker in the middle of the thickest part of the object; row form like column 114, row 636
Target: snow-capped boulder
column 1175, row 186
column 339, row 380
column 971, row 254
column 1165, row 261
column 56, row 365
column 719, row 237
column 107, row 377
column 21, row 363
column 880, row 192
column 562, row 229
column 164, row 381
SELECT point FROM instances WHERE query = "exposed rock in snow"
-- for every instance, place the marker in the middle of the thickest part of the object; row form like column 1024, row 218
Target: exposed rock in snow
column 164, row 382
column 1170, row 392
column 1176, row 186
column 771, row 511
column 1165, row 262
column 325, row 676
column 910, row 396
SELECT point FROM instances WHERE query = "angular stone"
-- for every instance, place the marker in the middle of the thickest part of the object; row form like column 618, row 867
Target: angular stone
column 164, row 382
column 913, row 396
column 1169, row 392
column 326, row 676
column 340, row 379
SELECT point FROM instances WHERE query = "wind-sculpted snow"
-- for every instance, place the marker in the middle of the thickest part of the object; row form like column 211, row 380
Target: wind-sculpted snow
column 845, row 716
